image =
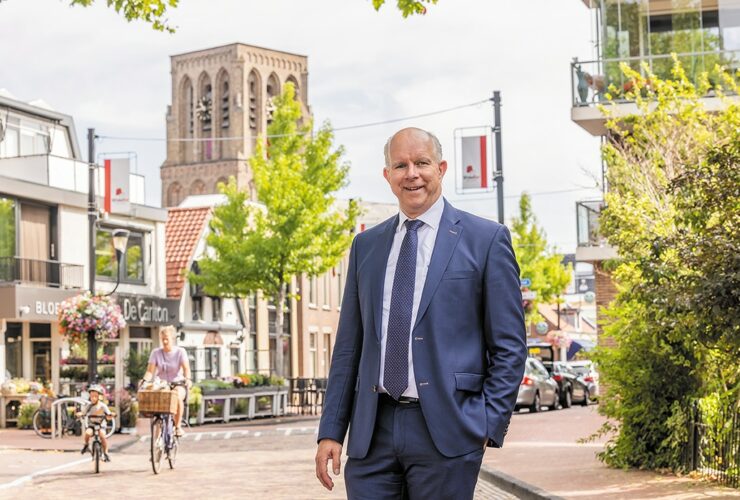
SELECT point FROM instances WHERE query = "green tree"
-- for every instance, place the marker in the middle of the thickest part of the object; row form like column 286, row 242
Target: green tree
column 537, row 262
column 298, row 229
column 154, row 12
column 673, row 213
column 407, row 7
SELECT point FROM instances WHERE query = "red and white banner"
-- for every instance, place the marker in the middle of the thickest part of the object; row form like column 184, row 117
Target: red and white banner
column 117, row 190
column 474, row 162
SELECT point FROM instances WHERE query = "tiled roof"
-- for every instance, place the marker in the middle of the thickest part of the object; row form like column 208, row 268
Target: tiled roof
column 183, row 231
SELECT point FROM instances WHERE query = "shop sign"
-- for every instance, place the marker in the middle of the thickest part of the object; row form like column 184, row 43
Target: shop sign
column 148, row 311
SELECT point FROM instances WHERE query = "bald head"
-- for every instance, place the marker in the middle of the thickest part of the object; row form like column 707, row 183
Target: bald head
column 436, row 147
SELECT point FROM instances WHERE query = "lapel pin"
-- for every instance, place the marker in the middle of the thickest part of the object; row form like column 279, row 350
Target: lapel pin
column 453, row 232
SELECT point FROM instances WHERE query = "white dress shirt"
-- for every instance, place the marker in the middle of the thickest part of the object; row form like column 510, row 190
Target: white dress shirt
column 427, row 235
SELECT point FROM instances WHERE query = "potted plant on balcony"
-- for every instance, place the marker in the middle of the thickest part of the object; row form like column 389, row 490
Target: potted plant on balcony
column 86, row 312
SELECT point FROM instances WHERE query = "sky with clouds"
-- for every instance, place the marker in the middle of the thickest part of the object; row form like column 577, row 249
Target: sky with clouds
column 364, row 67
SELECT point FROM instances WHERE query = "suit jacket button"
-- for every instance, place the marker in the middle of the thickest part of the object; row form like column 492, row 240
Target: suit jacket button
column 375, row 388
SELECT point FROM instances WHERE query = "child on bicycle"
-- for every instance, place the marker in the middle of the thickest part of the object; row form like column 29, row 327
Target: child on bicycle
column 99, row 411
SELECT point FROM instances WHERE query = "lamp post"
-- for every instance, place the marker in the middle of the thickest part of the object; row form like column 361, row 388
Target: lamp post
column 120, row 240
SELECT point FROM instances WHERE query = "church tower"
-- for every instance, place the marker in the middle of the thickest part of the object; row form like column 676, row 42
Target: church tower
column 221, row 102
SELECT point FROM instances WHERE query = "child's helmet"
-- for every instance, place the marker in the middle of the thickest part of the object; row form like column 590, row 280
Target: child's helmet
column 96, row 388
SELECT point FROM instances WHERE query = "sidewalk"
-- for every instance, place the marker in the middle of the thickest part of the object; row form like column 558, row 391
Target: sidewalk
column 541, row 450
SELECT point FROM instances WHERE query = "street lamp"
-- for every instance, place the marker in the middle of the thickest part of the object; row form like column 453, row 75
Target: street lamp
column 120, row 241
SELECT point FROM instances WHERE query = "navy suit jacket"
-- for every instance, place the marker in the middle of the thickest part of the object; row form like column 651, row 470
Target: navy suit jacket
column 468, row 340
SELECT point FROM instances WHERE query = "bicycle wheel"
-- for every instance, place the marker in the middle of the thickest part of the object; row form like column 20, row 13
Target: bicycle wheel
column 157, row 444
column 96, row 452
column 42, row 424
column 111, row 429
column 172, row 455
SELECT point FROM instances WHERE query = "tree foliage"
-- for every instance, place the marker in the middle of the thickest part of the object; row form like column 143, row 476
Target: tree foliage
column 673, row 212
column 153, row 12
column 536, row 261
column 296, row 229
column 407, row 7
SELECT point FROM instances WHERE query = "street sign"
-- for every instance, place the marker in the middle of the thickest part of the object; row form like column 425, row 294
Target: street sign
column 529, row 295
column 526, row 282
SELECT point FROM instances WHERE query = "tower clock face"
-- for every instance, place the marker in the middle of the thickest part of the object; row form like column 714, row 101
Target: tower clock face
column 203, row 109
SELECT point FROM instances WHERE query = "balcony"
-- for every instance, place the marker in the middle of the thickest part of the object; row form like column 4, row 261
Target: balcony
column 47, row 273
column 64, row 173
column 591, row 81
column 592, row 246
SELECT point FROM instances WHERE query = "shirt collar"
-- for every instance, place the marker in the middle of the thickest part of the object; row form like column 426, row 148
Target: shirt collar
column 431, row 217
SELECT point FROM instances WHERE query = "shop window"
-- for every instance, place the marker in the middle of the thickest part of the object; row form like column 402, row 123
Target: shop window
column 14, row 350
column 195, row 374
column 313, row 355
column 327, row 353
column 215, row 309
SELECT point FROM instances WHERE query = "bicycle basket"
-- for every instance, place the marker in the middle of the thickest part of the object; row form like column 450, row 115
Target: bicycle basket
column 157, row 401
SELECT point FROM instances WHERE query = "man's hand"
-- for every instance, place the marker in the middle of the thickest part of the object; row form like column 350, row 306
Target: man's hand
column 328, row 449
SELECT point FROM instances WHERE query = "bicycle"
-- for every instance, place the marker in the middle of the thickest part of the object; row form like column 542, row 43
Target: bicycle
column 96, row 448
column 164, row 442
column 70, row 425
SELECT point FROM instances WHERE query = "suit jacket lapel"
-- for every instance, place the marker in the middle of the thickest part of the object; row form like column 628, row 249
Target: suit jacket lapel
column 447, row 237
column 380, row 252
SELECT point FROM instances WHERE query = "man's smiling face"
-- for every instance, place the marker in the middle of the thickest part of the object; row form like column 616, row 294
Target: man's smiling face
column 414, row 172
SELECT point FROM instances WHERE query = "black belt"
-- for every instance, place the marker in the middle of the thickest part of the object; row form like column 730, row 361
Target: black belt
column 403, row 400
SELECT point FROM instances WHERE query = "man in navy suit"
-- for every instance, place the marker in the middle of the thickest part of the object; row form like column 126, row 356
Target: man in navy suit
column 430, row 346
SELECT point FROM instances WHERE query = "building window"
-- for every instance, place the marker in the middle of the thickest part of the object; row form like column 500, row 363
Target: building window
column 234, row 358
column 313, row 294
column 140, row 340
column 215, row 309
column 313, row 355
column 327, row 291
column 197, row 306
column 272, row 330
column 327, row 353
column 7, row 235
column 195, row 374
column 225, row 105
column 253, row 86
column 213, row 364
column 131, row 269
column 14, row 350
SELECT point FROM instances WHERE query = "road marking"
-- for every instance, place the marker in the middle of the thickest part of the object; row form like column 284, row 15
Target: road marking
column 29, row 477
column 198, row 436
column 288, row 431
column 257, row 434
column 227, row 435
column 143, row 438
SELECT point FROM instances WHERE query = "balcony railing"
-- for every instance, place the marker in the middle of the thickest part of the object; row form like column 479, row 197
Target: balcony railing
column 590, row 80
column 41, row 272
column 587, row 221
column 65, row 173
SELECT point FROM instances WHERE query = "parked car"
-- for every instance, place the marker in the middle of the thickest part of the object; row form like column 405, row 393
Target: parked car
column 571, row 388
column 577, row 388
column 537, row 389
column 588, row 374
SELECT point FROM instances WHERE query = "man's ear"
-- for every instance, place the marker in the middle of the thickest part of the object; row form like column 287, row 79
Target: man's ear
column 386, row 173
column 442, row 168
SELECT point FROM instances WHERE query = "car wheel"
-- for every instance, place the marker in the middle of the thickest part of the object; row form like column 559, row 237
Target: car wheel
column 536, row 404
column 567, row 400
column 586, row 397
column 555, row 402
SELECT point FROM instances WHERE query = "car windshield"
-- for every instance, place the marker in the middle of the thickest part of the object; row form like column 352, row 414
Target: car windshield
column 581, row 370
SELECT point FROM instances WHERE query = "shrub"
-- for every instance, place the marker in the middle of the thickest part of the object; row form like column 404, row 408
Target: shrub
column 25, row 415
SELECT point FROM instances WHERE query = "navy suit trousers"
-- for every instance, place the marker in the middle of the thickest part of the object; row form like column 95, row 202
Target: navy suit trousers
column 403, row 463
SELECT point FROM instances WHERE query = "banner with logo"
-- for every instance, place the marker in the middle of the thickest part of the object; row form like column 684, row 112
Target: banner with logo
column 117, row 190
column 474, row 162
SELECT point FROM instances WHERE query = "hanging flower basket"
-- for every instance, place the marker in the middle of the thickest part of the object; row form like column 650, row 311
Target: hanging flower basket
column 85, row 312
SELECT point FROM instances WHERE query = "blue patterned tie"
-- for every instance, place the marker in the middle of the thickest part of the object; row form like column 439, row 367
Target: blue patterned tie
column 396, row 371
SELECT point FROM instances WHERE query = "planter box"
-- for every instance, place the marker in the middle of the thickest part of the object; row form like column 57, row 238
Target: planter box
column 243, row 390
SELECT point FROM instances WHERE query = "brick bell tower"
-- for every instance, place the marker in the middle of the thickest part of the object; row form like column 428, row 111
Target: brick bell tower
column 221, row 102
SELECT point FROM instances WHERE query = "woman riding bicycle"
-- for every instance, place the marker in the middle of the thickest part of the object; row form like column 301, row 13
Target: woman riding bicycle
column 170, row 363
